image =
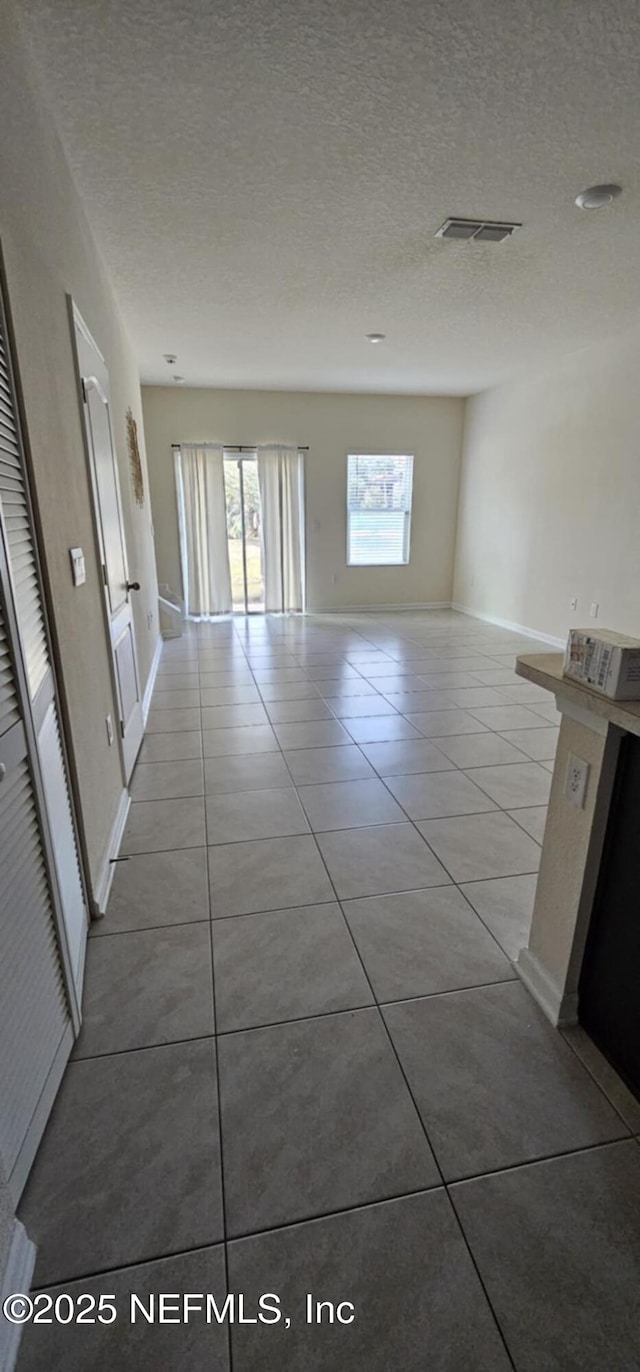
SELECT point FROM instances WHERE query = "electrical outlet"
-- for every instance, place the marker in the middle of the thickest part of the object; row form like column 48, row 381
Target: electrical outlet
column 576, row 781
column 573, row 603
column 109, row 724
column 594, row 609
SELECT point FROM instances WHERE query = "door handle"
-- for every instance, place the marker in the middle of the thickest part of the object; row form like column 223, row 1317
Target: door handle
column 133, row 585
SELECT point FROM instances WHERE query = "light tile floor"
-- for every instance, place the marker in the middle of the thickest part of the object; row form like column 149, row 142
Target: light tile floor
column 307, row 1064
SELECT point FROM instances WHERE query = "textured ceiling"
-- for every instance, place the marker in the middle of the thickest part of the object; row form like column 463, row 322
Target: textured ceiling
column 264, row 178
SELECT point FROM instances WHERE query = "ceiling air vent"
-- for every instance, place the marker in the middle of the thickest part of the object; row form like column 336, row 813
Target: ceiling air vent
column 481, row 230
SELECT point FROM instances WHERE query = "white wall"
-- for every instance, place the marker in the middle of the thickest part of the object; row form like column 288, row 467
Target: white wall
column 49, row 251
column 331, row 425
column 550, row 495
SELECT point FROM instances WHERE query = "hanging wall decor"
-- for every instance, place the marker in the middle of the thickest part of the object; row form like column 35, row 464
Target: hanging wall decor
column 134, row 459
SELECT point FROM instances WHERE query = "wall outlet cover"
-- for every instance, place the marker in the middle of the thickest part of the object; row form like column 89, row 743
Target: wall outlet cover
column 576, row 781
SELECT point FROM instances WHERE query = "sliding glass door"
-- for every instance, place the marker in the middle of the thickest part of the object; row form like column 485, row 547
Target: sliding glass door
column 244, row 533
column 241, row 522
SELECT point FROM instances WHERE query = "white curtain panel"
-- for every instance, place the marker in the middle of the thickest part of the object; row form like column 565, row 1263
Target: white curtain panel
column 280, row 474
column 203, row 530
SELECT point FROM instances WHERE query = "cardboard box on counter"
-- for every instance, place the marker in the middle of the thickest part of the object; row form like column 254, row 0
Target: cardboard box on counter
column 605, row 661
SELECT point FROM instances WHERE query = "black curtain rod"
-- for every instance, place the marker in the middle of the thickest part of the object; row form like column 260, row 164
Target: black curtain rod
column 246, row 447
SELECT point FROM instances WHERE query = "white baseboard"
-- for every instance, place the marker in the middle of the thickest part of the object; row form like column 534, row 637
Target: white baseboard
column 378, row 609
column 37, row 1123
column 107, row 867
column 509, row 624
column 151, row 680
column 16, row 1277
column 559, row 1006
column 102, row 886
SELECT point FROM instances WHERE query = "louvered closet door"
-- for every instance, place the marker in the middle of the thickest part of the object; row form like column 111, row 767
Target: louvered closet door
column 34, row 1014
column 21, row 553
column 18, row 533
column 43, row 919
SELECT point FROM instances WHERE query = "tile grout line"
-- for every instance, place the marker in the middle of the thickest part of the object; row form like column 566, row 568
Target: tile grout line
column 223, row 1195
column 350, row 1009
column 223, row 1202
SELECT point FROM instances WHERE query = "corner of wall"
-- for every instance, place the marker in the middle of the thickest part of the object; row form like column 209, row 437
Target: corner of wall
column 17, row 1260
column 456, row 594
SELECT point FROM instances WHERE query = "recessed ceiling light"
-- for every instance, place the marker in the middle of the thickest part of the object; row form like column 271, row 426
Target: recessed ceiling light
column 596, row 197
column 179, row 380
column 376, row 337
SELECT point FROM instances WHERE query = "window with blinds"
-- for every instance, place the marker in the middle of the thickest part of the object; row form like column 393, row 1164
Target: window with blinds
column 378, row 509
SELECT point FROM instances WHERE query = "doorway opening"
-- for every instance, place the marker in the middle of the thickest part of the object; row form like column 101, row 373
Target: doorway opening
column 243, row 508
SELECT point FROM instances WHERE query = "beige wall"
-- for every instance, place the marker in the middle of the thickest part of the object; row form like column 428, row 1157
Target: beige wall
column 550, row 495
column 48, row 251
column 331, row 425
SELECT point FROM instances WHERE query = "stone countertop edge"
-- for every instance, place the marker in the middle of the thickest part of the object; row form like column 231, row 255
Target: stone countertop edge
column 545, row 669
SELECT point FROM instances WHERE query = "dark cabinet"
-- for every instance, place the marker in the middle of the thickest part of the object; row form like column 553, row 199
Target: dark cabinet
column 609, row 993
column 609, row 1004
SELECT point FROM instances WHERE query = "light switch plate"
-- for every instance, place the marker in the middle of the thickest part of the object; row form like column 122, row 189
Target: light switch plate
column 78, row 570
column 576, row 780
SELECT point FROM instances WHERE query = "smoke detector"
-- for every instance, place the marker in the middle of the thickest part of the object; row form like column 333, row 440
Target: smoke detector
column 480, row 230
column 596, row 197
column 170, row 359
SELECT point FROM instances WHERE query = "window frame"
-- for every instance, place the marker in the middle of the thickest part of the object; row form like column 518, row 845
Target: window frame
column 407, row 456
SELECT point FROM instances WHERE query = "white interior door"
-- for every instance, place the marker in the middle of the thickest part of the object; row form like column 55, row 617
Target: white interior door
column 94, row 380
